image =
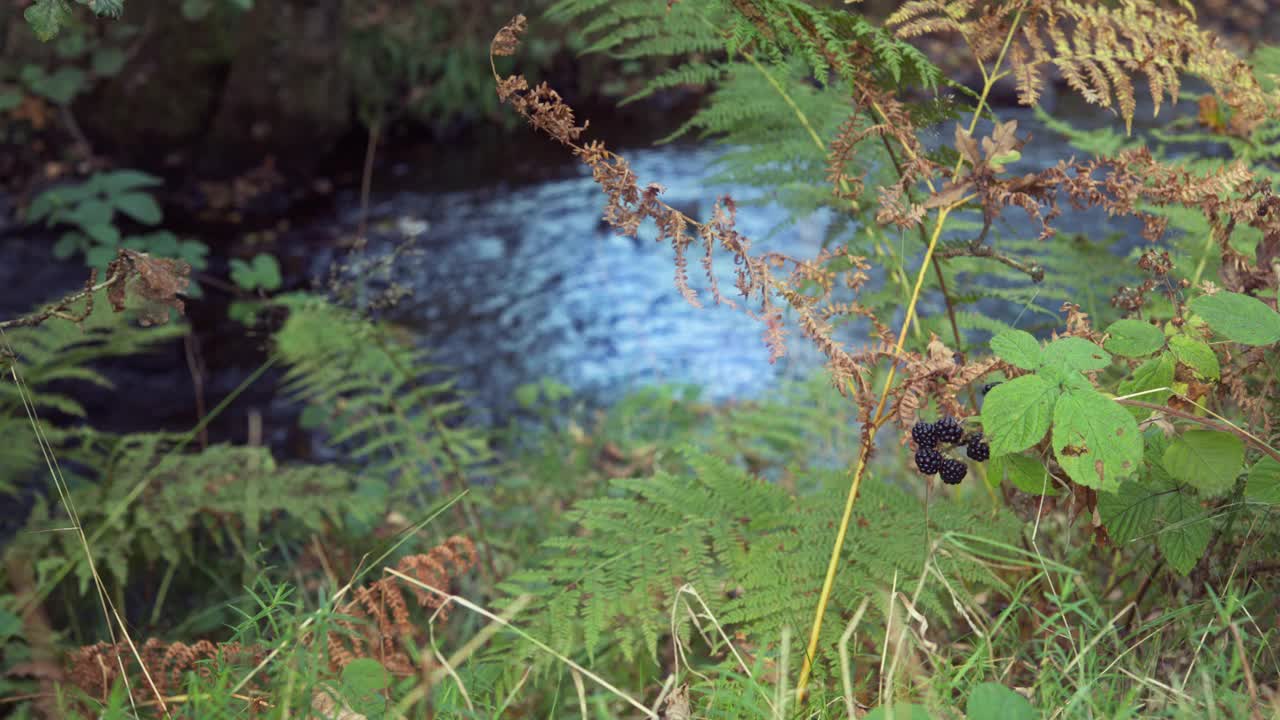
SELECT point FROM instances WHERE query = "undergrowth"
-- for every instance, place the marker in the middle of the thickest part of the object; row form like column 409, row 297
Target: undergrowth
column 1102, row 543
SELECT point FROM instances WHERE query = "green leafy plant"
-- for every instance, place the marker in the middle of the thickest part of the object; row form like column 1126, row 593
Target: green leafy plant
column 48, row 17
column 93, row 210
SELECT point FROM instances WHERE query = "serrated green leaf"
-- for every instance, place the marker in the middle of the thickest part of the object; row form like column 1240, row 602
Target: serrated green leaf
column 1264, row 481
column 85, row 214
column 1018, row 348
column 1239, row 318
column 1073, row 353
column 1017, row 413
column 1155, row 373
column 1130, row 512
column 1026, row 473
column 1095, row 440
column 1196, row 355
column 1208, row 460
column 1133, row 338
column 46, row 17
column 1186, row 537
column 104, row 233
column 139, row 206
column 992, row 701
column 118, row 181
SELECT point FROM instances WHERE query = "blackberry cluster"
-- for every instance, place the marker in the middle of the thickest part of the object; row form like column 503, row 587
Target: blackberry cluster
column 930, row 461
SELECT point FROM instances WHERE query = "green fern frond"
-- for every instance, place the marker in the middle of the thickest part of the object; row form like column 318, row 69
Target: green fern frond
column 608, row 587
column 379, row 397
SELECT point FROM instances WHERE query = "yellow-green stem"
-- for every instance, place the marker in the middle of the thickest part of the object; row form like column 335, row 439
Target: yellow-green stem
column 860, row 468
column 989, row 80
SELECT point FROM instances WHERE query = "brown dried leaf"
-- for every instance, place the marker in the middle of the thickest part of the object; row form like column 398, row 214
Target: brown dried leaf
column 507, row 41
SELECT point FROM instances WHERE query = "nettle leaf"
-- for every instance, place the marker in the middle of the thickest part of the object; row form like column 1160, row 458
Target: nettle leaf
column 1264, row 482
column 1073, row 353
column 992, row 701
column 1017, row 413
column 1095, row 439
column 1240, row 318
column 1130, row 512
column 1196, row 355
column 1186, row 538
column 1209, row 460
column 1133, row 338
column 1018, row 348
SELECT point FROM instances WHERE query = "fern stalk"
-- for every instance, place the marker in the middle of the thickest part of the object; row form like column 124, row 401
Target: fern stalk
column 879, row 417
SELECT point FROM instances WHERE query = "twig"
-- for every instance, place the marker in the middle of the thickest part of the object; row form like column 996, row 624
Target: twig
column 1206, row 422
column 195, row 367
column 61, row 307
column 73, row 127
column 366, row 179
column 1033, row 270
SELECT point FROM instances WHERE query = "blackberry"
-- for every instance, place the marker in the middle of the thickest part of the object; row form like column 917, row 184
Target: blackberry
column 929, row 460
column 976, row 449
column 949, row 431
column 925, row 434
column 988, row 387
column 952, row 471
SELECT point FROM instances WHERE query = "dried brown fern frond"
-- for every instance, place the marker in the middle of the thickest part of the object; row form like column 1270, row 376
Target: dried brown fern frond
column 95, row 669
column 373, row 624
column 630, row 204
column 377, row 619
column 1099, row 50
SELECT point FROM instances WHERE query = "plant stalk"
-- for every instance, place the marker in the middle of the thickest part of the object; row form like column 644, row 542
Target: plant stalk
column 877, row 418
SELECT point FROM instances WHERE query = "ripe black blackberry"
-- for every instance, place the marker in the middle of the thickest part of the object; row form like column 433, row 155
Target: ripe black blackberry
column 976, row 449
column 925, row 434
column 948, row 430
column 929, row 460
column 952, row 471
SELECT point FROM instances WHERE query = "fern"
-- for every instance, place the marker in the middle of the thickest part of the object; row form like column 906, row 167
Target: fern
column 53, row 360
column 723, row 531
column 222, row 499
column 757, row 57
column 377, row 397
column 60, row 351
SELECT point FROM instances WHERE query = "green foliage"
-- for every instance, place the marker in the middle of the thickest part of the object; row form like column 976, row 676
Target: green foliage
column 260, row 273
column 196, row 508
column 48, row 17
column 1133, row 338
column 1241, row 318
column 990, row 701
column 609, row 586
column 94, row 210
column 378, row 398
